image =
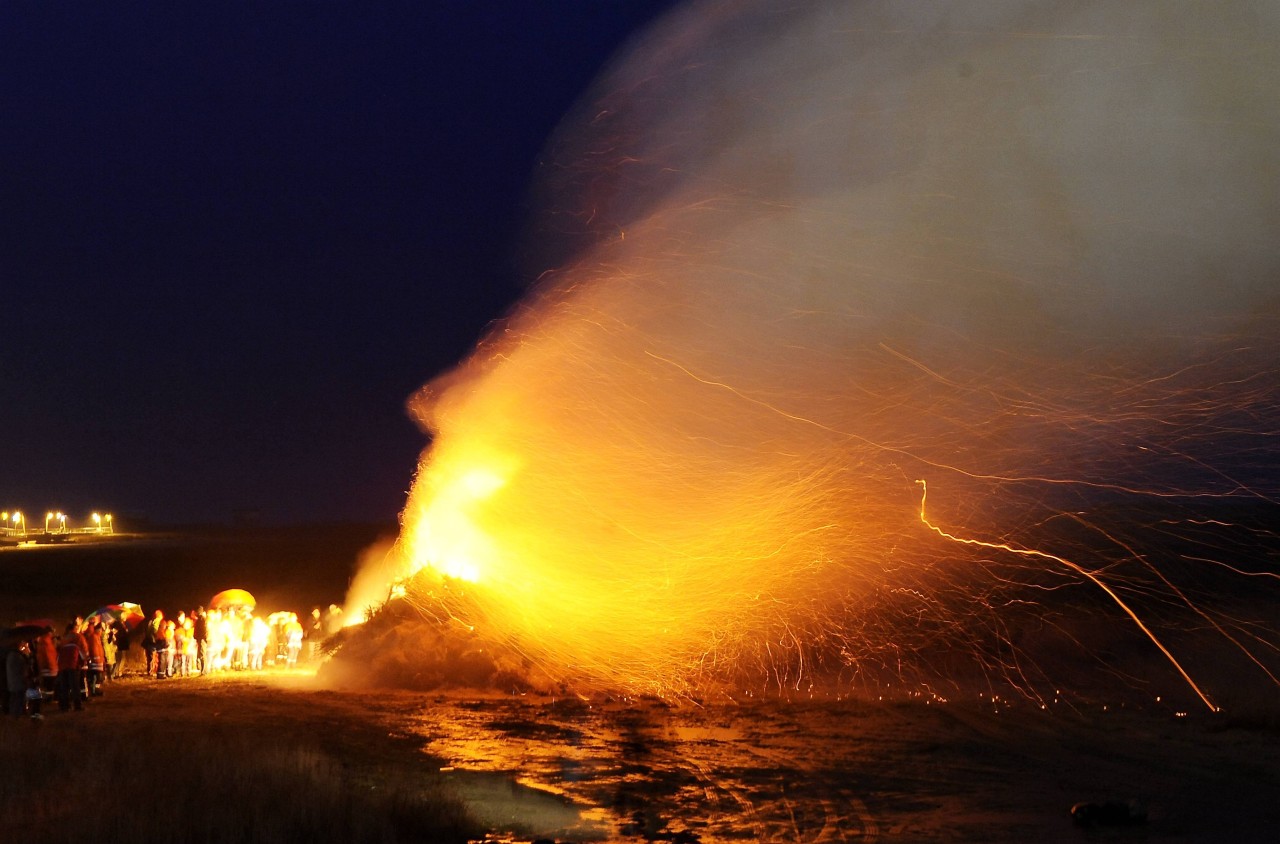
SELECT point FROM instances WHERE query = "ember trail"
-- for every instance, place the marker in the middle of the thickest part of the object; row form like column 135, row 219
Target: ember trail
column 794, row 261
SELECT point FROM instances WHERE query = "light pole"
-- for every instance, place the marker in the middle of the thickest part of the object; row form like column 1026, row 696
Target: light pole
column 111, row 527
column 97, row 520
column 18, row 517
column 48, row 517
column 62, row 523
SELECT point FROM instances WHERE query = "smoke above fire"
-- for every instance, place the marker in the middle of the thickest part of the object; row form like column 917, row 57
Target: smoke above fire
column 800, row 262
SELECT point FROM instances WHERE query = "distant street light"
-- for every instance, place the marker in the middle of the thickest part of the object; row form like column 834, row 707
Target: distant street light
column 18, row 517
column 48, row 517
column 111, row 528
column 97, row 520
column 62, row 523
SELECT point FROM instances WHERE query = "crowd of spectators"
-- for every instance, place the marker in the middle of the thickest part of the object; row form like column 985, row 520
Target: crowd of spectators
column 72, row 666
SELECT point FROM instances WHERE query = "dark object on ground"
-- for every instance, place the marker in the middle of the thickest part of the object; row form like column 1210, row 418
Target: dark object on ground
column 1111, row 813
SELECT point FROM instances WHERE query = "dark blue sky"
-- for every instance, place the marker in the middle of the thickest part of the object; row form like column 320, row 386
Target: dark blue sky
column 236, row 236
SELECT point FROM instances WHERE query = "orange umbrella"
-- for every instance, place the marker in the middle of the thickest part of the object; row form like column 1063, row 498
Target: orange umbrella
column 233, row 598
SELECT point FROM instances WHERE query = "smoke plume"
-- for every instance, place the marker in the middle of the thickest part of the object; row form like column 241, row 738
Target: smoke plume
column 800, row 261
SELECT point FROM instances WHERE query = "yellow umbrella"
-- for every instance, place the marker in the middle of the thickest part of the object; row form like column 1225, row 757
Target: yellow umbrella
column 233, row 599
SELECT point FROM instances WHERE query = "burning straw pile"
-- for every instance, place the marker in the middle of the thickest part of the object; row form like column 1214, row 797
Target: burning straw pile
column 813, row 258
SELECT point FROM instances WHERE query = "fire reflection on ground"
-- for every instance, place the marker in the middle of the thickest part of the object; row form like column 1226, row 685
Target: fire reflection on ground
column 838, row 771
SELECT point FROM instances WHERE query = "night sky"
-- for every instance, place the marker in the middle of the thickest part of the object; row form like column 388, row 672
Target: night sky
column 237, row 236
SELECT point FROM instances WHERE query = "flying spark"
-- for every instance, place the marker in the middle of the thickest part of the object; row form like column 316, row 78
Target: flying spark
column 1023, row 251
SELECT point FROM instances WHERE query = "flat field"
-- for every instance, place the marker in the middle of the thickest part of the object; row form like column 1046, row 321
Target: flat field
column 274, row 757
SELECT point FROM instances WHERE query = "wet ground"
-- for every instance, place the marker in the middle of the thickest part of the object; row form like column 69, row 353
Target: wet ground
column 849, row 771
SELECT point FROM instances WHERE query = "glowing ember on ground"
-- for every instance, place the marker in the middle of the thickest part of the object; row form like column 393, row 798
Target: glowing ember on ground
column 1022, row 252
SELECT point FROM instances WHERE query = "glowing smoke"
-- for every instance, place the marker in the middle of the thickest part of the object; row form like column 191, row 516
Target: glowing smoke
column 807, row 254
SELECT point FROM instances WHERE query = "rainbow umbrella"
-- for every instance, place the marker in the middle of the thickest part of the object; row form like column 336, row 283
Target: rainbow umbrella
column 233, row 599
column 128, row 614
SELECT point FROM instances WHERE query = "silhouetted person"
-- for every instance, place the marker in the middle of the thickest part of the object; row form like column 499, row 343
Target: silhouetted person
column 122, row 649
column 16, row 670
column 314, row 634
column 149, row 638
column 200, row 630
column 333, row 620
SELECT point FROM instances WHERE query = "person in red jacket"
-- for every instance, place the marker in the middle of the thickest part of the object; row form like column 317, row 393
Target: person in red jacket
column 72, row 658
column 47, row 660
column 97, row 663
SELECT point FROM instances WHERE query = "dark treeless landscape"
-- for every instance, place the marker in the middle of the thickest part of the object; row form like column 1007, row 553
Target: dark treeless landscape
column 275, row 756
column 933, row 343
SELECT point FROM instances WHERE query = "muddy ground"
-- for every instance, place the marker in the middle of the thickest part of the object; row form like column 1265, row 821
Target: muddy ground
column 823, row 771
column 850, row 771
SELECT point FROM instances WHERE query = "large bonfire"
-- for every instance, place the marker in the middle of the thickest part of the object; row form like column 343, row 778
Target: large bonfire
column 815, row 262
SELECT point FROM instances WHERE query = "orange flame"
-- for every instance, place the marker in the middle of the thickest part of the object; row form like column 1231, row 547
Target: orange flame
column 830, row 250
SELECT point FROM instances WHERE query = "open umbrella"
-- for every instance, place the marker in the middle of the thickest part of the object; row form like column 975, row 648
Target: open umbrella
column 233, row 599
column 130, row 615
column 29, row 629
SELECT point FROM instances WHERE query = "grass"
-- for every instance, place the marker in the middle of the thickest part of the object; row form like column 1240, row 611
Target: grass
column 221, row 760
column 252, row 758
